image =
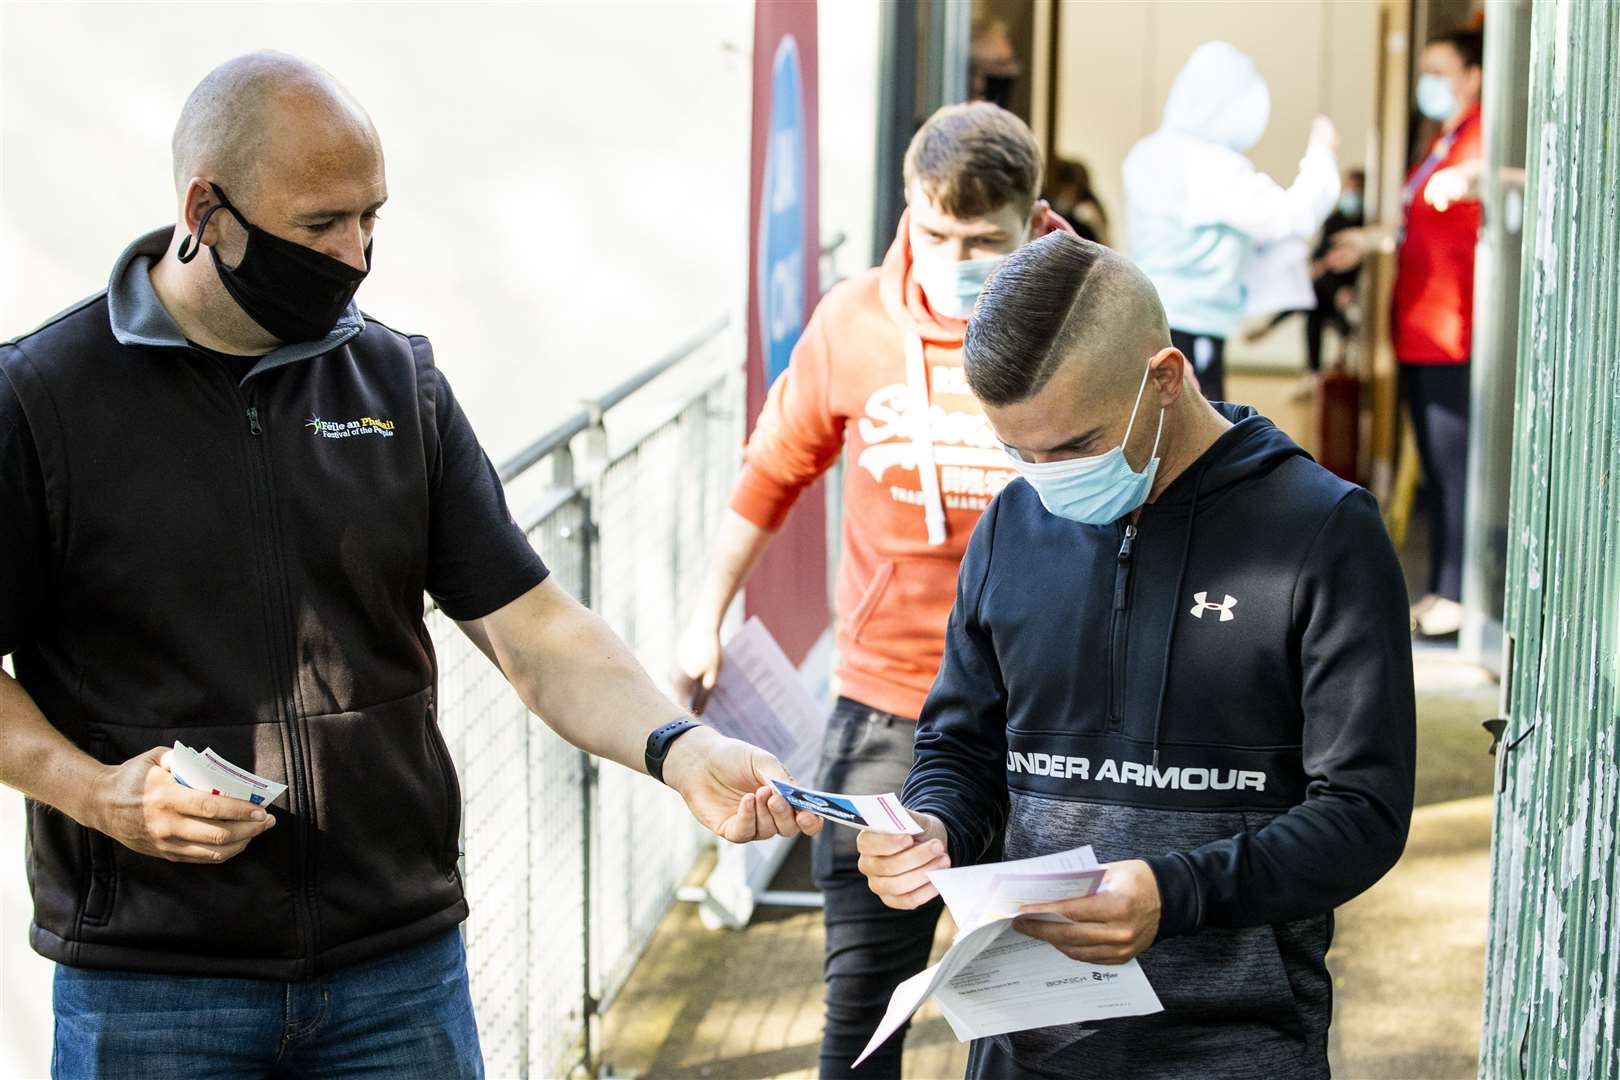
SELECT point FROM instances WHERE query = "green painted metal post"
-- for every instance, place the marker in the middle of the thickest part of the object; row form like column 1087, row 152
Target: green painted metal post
column 1553, row 965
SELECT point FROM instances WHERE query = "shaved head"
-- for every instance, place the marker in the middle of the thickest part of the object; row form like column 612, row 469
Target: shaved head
column 1057, row 299
column 293, row 154
column 253, row 119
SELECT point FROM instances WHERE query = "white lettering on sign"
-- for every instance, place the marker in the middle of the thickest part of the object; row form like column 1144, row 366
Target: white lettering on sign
column 787, row 295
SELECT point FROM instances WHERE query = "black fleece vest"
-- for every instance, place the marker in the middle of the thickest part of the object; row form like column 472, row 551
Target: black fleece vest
column 240, row 565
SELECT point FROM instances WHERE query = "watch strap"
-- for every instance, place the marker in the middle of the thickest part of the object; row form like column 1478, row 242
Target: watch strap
column 659, row 741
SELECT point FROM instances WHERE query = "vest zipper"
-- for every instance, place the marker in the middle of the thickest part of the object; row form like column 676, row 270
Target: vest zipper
column 283, row 672
column 1116, row 630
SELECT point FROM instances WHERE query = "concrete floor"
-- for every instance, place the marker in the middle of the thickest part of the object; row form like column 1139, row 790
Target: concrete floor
column 1407, row 959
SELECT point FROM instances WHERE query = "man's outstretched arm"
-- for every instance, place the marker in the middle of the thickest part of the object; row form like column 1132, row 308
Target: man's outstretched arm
column 573, row 671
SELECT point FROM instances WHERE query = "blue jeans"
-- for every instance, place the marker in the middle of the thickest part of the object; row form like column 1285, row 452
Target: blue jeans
column 407, row 1014
column 871, row 948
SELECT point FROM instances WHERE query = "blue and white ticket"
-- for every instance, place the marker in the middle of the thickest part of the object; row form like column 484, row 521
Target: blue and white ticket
column 879, row 813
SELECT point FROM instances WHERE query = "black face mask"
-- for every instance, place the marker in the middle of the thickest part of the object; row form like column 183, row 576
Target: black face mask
column 293, row 291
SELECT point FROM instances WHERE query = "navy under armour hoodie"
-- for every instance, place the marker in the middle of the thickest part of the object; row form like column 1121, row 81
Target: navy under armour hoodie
column 1223, row 689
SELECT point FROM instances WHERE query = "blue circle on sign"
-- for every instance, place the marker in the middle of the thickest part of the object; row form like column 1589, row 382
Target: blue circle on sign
column 779, row 290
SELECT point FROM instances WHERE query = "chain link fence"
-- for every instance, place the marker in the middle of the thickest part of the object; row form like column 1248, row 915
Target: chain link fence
column 570, row 865
column 623, row 498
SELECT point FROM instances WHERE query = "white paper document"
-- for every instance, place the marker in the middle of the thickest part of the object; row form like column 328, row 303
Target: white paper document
column 994, row 980
column 761, row 699
column 879, row 813
column 209, row 772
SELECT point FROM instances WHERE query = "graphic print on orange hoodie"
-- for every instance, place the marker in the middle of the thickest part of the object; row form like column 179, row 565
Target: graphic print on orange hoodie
column 878, row 371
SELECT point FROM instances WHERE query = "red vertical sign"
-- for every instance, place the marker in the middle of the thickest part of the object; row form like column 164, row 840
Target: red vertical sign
column 788, row 590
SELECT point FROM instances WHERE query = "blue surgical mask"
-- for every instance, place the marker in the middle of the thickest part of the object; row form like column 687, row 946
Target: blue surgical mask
column 1350, row 204
column 952, row 288
column 1435, row 97
column 1096, row 490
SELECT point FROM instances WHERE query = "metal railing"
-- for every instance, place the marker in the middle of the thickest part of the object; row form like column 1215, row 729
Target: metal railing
column 570, row 864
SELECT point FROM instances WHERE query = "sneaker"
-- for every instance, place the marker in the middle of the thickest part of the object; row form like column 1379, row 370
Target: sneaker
column 1418, row 608
column 1441, row 620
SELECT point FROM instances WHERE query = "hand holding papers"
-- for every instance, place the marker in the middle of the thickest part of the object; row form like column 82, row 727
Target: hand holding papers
column 209, row 772
column 993, row 979
column 760, row 699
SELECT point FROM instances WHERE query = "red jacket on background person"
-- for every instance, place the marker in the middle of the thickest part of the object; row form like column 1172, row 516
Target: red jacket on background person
column 1433, row 308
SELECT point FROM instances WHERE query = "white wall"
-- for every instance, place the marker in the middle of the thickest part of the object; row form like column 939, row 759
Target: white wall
column 848, row 71
column 568, row 181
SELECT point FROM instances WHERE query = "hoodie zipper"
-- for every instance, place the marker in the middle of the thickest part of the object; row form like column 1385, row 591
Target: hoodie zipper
column 1117, row 627
column 271, row 561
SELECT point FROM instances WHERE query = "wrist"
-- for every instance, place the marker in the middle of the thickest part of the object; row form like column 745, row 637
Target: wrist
column 683, row 755
column 87, row 801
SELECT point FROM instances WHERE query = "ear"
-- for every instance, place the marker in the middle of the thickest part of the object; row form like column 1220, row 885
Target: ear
column 194, row 204
column 1169, row 372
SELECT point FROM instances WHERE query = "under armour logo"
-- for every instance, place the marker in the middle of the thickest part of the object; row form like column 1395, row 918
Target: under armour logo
column 1204, row 605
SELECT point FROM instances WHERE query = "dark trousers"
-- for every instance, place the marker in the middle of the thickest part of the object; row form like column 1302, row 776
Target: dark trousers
column 1437, row 399
column 871, row 949
column 1317, row 320
column 1208, row 356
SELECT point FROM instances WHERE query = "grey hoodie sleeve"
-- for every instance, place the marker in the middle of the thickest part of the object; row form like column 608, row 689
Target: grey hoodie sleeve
column 1355, row 661
column 959, row 773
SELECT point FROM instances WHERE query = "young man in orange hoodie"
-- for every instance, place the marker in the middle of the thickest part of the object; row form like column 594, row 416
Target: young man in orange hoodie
column 879, row 370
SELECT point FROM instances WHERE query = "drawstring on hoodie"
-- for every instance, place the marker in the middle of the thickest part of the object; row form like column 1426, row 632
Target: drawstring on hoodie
column 922, row 441
column 1181, row 583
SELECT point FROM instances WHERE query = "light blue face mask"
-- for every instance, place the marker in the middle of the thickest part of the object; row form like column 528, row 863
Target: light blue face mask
column 1096, row 490
column 952, row 288
column 1350, row 204
column 1435, row 97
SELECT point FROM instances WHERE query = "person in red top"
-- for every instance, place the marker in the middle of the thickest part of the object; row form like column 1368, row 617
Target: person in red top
column 1433, row 308
column 877, row 376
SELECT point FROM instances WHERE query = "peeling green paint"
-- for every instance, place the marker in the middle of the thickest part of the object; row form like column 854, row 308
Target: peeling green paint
column 1553, row 965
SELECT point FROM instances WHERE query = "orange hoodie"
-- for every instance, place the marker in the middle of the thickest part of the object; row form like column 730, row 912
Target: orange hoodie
column 871, row 355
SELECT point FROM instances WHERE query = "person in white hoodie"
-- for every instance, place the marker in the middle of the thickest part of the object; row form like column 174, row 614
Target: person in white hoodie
column 1196, row 207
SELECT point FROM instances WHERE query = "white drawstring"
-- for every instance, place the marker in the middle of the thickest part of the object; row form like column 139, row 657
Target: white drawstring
column 923, row 443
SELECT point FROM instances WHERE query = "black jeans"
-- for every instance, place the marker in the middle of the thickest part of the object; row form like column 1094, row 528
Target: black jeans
column 1208, row 356
column 871, row 949
column 1437, row 398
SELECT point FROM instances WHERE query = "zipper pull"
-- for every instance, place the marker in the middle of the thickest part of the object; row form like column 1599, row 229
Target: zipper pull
column 253, row 420
column 1125, row 547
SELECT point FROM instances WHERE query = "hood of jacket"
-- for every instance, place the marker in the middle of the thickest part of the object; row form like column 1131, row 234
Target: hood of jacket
column 1219, row 97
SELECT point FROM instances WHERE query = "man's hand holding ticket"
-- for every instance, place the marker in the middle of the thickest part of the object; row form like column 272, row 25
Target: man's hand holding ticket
column 158, row 804
column 209, row 772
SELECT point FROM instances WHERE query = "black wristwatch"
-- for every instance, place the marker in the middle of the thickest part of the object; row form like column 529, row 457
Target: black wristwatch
column 659, row 741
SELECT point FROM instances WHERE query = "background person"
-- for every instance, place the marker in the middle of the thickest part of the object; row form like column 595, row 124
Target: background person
column 1071, row 195
column 1195, row 206
column 1433, row 306
column 877, row 376
column 1335, row 290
